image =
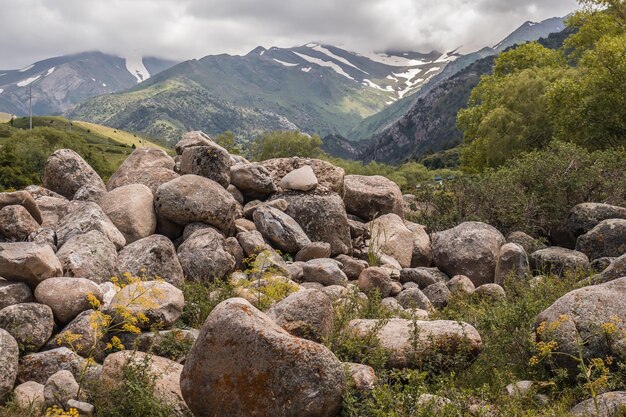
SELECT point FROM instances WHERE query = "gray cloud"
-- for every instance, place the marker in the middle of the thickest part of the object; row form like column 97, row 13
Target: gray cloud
column 181, row 29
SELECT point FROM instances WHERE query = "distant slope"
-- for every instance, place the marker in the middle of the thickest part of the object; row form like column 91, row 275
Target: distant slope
column 314, row 88
column 60, row 83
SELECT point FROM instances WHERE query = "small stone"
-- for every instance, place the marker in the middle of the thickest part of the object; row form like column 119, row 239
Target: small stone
column 301, row 179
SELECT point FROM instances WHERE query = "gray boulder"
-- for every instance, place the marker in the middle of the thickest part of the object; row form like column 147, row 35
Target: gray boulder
column 280, row 229
column 616, row 269
column 512, row 263
column 16, row 223
column 153, row 256
column 422, row 276
column 67, row 297
column 131, row 209
column 30, row 324
column 324, row 271
column 253, row 180
column 148, row 166
column 22, row 198
column 65, row 172
column 82, row 217
column 204, row 257
column 82, row 336
column 52, row 210
column 90, row 255
column 492, row 291
column 29, row 395
column 28, row 262
column 375, row 278
column 351, row 267
column 608, row 238
column 460, row 284
column 301, row 179
column 422, row 250
column 529, row 243
column 609, row 404
column 9, row 357
column 14, row 293
column 438, row 294
column 184, row 200
column 245, row 364
column 313, row 250
column 59, row 389
column 414, row 298
column 38, row 367
column 307, row 314
column 211, row 161
column 372, row 196
column 556, row 260
column 391, row 237
column 252, row 242
column 469, row 249
column 192, row 139
column 585, row 216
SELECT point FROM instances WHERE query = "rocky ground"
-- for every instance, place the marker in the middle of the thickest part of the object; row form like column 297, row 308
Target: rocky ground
column 293, row 240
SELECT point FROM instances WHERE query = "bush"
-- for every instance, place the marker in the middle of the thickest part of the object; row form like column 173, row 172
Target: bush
column 284, row 144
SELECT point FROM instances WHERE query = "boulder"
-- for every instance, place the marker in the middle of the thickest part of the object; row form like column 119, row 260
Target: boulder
column 82, row 217
column 244, row 364
column 204, row 257
column 90, row 255
column 89, row 193
column 161, row 303
column 307, row 314
column 422, row 250
column 28, row 262
column 414, row 298
column 192, row 139
column 29, row 395
column 164, row 372
column 83, row 336
column 313, row 250
column 160, row 342
column 591, row 314
column 329, row 177
column 9, row 357
column 469, row 249
column 13, row 293
column 252, row 242
column 30, row 324
column 585, row 216
column 280, row 229
column 492, row 291
column 351, row 267
column 38, row 367
column 59, row 389
column 422, row 276
column 529, row 243
column 253, row 180
column 301, row 179
column 37, row 191
column 44, row 236
column 184, row 200
column 322, row 217
column 617, row 269
column 609, row 404
column 608, row 238
column 438, row 294
column 65, row 172
column 268, row 261
column 372, row 196
column 211, row 161
column 460, row 284
column 374, row 278
column 391, row 237
column 237, row 195
column 512, row 263
column 250, row 208
column 362, row 376
column 16, row 224
column 22, row 198
column 67, row 297
column 324, row 271
column 131, row 209
column 148, row 166
column 52, row 210
column 154, row 257
column 556, row 260
column 415, row 344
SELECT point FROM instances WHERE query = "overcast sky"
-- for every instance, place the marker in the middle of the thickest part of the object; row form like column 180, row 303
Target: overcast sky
column 32, row 30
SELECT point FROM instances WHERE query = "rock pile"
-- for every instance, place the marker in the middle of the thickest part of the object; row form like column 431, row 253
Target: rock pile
column 197, row 217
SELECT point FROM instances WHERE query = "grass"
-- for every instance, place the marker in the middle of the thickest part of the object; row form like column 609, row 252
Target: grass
column 118, row 135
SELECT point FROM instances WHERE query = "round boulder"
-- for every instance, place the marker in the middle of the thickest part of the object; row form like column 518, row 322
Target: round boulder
column 9, row 357
column 154, row 257
column 375, row 278
column 307, row 314
column 22, row 198
column 148, row 166
column 301, row 179
column 28, row 262
column 212, row 162
column 90, row 255
column 280, row 229
column 204, row 257
column 372, row 196
column 67, row 297
column 82, row 217
column 131, row 209
column 556, row 260
column 512, row 263
column 65, row 172
column 30, row 324
column 253, row 180
column 608, row 238
column 16, row 223
column 13, row 293
column 391, row 237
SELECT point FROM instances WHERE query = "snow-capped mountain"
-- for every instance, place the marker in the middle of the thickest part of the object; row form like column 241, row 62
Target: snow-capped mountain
column 60, row 83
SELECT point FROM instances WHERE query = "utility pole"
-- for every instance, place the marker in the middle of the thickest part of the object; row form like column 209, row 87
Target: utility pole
column 30, row 104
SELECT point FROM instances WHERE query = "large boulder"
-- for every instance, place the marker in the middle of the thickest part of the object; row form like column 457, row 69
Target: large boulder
column 14, row 293
column 90, row 255
column 280, row 229
column 512, row 263
column 422, row 276
column 16, row 224
column 148, row 166
column 556, row 260
column 66, row 172
column 192, row 139
column 592, row 314
column 9, row 356
column 244, row 364
column 391, row 237
column 82, row 217
column 329, row 177
column 252, row 242
column 372, row 196
column 415, row 343
column 52, row 210
column 204, row 257
column 83, row 335
column 469, row 249
column 585, row 216
column 67, row 297
column 529, row 243
column 616, row 269
column 131, row 209
column 301, row 179
column 375, row 278
column 192, row 198
column 422, row 250
column 323, row 271
column 159, row 302
column 307, row 314
column 28, row 262
column 154, row 257
column 38, row 367
column 253, row 180
column 211, row 161
column 607, row 239
column 414, row 298
column 30, row 324
column 60, row 388
column 22, row 198
column 610, row 404
column 323, row 218
column 29, row 394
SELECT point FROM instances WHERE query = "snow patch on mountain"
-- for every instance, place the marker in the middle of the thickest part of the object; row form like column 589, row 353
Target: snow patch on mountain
column 392, row 60
column 26, row 68
column 328, row 53
column 1, row 91
column 286, row 64
column 135, row 66
column 50, row 71
column 27, row 81
column 307, row 69
column 409, row 75
column 323, row 63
